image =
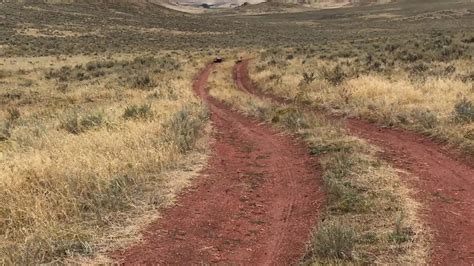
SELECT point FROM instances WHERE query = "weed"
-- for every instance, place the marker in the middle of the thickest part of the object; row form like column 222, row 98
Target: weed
column 143, row 111
column 400, row 233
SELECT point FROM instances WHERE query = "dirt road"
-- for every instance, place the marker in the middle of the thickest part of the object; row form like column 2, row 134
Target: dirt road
column 254, row 204
column 443, row 183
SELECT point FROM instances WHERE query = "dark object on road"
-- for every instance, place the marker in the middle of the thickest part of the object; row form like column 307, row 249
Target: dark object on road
column 218, row 59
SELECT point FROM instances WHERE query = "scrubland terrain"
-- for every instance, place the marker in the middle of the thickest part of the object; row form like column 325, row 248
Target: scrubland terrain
column 423, row 85
column 87, row 140
column 100, row 129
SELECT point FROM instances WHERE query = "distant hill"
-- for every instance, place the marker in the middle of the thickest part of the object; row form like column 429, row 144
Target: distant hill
column 196, row 6
column 332, row 3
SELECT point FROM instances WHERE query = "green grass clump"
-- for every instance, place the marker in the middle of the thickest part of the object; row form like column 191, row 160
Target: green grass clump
column 186, row 125
column 334, row 241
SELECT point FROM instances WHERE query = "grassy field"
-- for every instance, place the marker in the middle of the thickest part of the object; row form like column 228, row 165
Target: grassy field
column 85, row 146
column 424, row 85
column 92, row 97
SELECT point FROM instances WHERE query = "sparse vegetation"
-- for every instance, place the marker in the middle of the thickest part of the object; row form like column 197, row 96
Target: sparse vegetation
column 364, row 194
column 94, row 112
column 393, row 89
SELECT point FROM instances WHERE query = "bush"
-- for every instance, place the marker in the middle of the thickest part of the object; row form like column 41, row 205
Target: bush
column 335, row 75
column 5, row 131
column 185, row 126
column 418, row 68
column 138, row 112
column 143, row 82
column 427, row 118
column 76, row 124
column 13, row 114
column 93, row 65
column 290, row 118
column 464, row 111
column 63, row 74
column 308, row 78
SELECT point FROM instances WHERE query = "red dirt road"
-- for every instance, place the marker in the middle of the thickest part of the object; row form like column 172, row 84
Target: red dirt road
column 443, row 183
column 254, row 204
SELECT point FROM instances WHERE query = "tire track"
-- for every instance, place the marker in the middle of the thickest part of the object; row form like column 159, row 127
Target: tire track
column 443, row 182
column 255, row 203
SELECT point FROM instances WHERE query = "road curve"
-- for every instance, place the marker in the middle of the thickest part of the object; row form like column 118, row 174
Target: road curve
column 444, row 184
column 255, row 203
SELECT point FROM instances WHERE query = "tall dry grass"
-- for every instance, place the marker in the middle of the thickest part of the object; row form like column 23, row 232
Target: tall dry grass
column 417, row 97
column 74, row 166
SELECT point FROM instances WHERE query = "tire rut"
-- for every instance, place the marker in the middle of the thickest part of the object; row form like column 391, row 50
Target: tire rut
column 255, row 203
column 443, row 181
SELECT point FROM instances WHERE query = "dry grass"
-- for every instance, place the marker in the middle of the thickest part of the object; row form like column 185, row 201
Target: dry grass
column 371, row 216
column 73, row 166
column 419, row 96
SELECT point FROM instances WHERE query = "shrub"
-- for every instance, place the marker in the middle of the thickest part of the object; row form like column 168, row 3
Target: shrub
column 464, row 111
column 468, row 40
column 418, row 68
column 91, row 66
column 63, row 74
column 143, row 111
column 4, row 74
column 5, row 131
column 468, row 77
column 13, row 114
column 335, row 75
column 143, row 82
column 185, row 126
column 409, row 56
column 290, row 118
column 427, row 118
column 308, row 78
column 75, row 124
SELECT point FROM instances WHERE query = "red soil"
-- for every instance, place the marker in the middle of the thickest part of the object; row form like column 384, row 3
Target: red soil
column 254, row 204
column 443, row 182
